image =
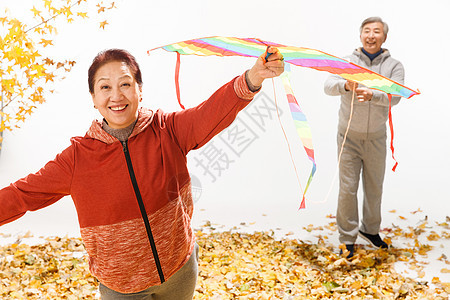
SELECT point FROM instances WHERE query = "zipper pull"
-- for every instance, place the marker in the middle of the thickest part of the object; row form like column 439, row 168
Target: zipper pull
column 124, row 146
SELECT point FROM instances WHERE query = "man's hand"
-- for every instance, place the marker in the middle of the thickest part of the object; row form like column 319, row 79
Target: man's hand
column 362, row 93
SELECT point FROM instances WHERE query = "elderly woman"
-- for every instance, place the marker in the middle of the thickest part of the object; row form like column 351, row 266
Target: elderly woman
column 129, row 180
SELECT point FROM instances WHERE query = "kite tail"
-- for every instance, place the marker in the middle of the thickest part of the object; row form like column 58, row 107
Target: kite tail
column 177, row 82
column 391, row 127
column 287, row 142
column 302, row 127
column 302, row 204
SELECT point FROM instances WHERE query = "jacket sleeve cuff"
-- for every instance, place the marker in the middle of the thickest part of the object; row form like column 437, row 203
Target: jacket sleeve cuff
column 342, row 89
column 242, row 90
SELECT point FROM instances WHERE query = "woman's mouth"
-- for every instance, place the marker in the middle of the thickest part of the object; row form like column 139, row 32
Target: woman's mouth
column 118, row 108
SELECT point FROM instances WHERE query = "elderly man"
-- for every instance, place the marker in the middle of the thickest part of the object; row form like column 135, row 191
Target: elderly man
column 362, row 119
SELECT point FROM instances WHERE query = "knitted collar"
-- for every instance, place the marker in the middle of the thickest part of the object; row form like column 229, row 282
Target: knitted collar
column 122, row 134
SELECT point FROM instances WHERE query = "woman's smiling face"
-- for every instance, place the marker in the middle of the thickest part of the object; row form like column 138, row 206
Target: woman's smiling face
column 116, row 94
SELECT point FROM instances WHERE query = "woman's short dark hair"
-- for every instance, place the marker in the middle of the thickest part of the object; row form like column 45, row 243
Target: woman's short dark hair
column 111, row 55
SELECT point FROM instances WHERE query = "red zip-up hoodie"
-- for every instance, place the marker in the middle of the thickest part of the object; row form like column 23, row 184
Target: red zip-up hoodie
column 117, row 185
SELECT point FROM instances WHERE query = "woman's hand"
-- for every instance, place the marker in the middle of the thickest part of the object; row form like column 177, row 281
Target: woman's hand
column 262, row 69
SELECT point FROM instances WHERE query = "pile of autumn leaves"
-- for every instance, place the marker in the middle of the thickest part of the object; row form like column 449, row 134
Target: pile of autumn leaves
column 236, row 265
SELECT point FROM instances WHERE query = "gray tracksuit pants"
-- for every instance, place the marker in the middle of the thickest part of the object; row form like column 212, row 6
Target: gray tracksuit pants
column 369, row 157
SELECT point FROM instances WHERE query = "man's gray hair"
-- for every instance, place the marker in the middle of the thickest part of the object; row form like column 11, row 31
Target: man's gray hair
column 374, row 20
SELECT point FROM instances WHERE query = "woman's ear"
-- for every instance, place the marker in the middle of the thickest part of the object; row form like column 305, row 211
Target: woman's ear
column 93, row 100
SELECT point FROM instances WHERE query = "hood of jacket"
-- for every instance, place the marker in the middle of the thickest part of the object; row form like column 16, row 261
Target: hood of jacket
column 145, row 118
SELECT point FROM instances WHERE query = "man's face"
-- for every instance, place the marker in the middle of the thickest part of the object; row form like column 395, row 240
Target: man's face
column 372, row 37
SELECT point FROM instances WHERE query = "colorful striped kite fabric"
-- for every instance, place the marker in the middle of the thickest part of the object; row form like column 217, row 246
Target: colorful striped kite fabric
column 304, row 57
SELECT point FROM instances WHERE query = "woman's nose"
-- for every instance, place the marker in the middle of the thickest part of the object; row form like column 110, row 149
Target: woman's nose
column 116, row 94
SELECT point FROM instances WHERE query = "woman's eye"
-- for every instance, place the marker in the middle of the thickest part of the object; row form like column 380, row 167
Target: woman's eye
column 104, row 87
column 126, row 84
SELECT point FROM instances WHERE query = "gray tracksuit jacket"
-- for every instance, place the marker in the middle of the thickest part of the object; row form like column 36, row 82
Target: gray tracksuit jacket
column 369, row 118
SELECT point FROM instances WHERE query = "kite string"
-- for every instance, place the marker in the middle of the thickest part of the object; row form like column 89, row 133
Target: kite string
column 342, row 147
column 285, row 137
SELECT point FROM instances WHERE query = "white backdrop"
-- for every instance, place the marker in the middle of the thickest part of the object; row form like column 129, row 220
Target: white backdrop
column 259, row 185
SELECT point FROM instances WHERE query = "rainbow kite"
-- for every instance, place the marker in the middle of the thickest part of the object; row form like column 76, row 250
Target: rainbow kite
column 304, row 57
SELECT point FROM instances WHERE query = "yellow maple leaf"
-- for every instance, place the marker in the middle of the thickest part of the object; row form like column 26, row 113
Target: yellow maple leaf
column 416, row 211
column 435, row 280
column 20, row 117
column 48, row 3
column 422, row 226
column 82, row 14
column 39, row 69
column 49, row 77
column 36, row 12
column 433, row 236
column 29, row 110
column 36, row 98
column 66, row 11
column 103, row 24
column 45, row 42
column 8, row 85
column 49, row 61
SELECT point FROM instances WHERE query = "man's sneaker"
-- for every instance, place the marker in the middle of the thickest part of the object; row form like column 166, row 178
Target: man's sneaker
column 374, row 239
column 351, row 250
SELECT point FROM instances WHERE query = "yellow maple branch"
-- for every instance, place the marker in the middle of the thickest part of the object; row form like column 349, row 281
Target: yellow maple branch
column 54, row 16
column 21, row 57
